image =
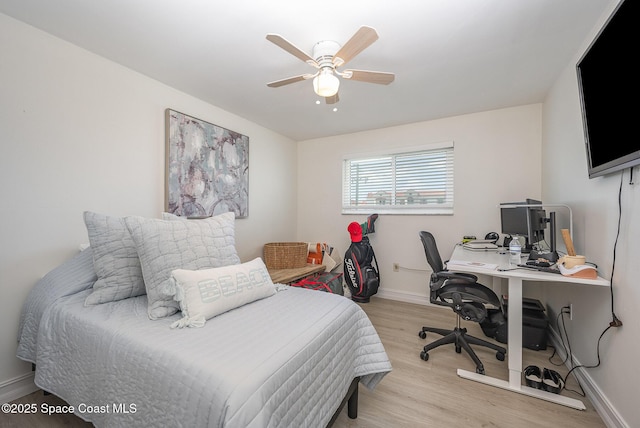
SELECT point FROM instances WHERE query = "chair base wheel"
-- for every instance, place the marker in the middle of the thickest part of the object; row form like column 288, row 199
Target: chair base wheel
column 422, row 334
column 500, row 356
column 424, row 356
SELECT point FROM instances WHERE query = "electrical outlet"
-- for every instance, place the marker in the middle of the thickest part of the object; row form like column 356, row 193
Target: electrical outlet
column 396, row 267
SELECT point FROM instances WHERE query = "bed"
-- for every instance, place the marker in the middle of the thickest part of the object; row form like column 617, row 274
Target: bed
column 286, row 360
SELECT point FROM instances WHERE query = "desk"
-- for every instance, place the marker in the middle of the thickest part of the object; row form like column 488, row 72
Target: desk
column 464, row 260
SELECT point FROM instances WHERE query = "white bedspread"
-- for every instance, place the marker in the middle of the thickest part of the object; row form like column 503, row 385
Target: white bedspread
column 286, row 360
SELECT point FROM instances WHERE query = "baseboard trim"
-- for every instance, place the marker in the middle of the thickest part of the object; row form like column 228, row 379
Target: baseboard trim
column 605, row 409
column 17, row 387
column 403, row 296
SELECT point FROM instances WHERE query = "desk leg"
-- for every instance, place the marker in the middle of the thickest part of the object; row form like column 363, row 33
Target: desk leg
column 515, row 356
column 515, row 332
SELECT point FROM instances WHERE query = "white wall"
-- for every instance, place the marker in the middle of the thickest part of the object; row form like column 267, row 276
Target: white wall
column 595, row 206
column 487, row 145
column 81, row 133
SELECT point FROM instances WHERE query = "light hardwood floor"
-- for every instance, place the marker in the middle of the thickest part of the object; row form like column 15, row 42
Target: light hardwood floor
column 420, row 393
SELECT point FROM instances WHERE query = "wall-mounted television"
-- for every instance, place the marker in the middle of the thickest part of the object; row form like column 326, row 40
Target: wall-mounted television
column 608, row 85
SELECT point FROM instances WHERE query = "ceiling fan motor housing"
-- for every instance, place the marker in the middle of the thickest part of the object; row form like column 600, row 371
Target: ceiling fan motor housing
column 324, row 51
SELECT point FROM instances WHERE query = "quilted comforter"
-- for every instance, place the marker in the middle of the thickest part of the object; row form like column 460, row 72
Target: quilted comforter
column 286, row 360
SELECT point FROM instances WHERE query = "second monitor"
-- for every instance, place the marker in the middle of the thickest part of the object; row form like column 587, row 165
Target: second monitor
column 526, row 219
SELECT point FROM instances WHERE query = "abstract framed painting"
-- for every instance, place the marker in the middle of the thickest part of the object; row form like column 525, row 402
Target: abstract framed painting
column 207, row 168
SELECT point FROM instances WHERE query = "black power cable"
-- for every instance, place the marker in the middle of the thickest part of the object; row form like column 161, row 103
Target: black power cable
column 615, row 320
column 569, row 353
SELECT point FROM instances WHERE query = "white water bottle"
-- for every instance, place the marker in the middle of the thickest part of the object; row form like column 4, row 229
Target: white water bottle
column 515, row 251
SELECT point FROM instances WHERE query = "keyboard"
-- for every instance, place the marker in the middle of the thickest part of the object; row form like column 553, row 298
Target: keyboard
column 541, row 269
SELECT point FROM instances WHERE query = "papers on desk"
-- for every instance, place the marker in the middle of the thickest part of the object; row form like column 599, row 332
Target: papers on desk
column 471, row 264
column 480, row 245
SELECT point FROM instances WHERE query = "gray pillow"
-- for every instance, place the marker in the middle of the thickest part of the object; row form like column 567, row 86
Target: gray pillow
column 165, row 245
column 115, row 260
column 169, row 216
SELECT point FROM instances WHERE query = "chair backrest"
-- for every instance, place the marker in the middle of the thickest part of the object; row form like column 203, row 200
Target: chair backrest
column 437, row 266
column 431, row 251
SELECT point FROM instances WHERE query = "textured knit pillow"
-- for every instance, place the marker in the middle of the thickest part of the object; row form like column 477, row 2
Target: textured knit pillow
column 164, row 246
column 115, row 260
column 203, row 294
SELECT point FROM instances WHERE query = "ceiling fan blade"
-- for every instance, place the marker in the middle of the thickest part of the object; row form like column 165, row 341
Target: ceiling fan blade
column 362, row 39
column 289, row 80
column 380, row 77
column 332, row 99
column 291, row 48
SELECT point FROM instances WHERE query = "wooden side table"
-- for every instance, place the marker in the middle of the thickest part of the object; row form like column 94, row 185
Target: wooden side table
column 287, row 276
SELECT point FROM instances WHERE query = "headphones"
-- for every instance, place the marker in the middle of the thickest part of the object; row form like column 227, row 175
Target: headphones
column 493, row 236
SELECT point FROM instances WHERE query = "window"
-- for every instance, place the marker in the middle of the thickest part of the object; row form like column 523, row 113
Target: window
column 417, row 181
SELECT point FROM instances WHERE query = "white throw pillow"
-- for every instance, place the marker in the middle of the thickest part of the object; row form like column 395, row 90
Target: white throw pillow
column 164, row 246
column 203, row 294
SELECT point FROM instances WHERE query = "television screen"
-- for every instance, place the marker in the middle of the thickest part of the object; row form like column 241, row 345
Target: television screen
column 608, row 86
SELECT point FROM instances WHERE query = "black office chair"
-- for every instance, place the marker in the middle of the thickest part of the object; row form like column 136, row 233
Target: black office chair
column 462, row 293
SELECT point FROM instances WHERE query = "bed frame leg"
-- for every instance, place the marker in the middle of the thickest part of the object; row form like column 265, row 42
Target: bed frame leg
column 352, row 404
column 33, row 369
column 351, row 400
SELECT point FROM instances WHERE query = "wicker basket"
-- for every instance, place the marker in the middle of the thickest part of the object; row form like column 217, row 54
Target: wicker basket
column 285, row 255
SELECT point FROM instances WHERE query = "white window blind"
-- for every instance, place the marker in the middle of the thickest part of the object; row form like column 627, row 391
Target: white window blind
column 419, row 181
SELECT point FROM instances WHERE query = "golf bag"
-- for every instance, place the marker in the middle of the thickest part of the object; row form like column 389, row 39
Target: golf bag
column 361, row 276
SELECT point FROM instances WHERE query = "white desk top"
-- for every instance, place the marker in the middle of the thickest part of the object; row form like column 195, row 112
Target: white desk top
column 496, row 263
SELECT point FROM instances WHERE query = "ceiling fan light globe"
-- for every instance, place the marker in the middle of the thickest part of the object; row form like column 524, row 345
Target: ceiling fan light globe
column 326, row 84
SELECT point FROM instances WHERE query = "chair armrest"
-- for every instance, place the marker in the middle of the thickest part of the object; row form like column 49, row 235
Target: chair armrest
column 460, row 276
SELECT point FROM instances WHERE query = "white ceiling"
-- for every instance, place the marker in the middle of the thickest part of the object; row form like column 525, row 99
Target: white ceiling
column 450, row 57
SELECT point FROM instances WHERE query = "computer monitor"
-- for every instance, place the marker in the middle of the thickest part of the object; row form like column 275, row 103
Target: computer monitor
column 514, row 220
column 525, row 220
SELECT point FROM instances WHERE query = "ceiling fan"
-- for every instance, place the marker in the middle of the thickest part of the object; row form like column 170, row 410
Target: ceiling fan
column 327, row 57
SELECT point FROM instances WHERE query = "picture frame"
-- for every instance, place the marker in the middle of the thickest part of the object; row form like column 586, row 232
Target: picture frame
column 207, row 168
